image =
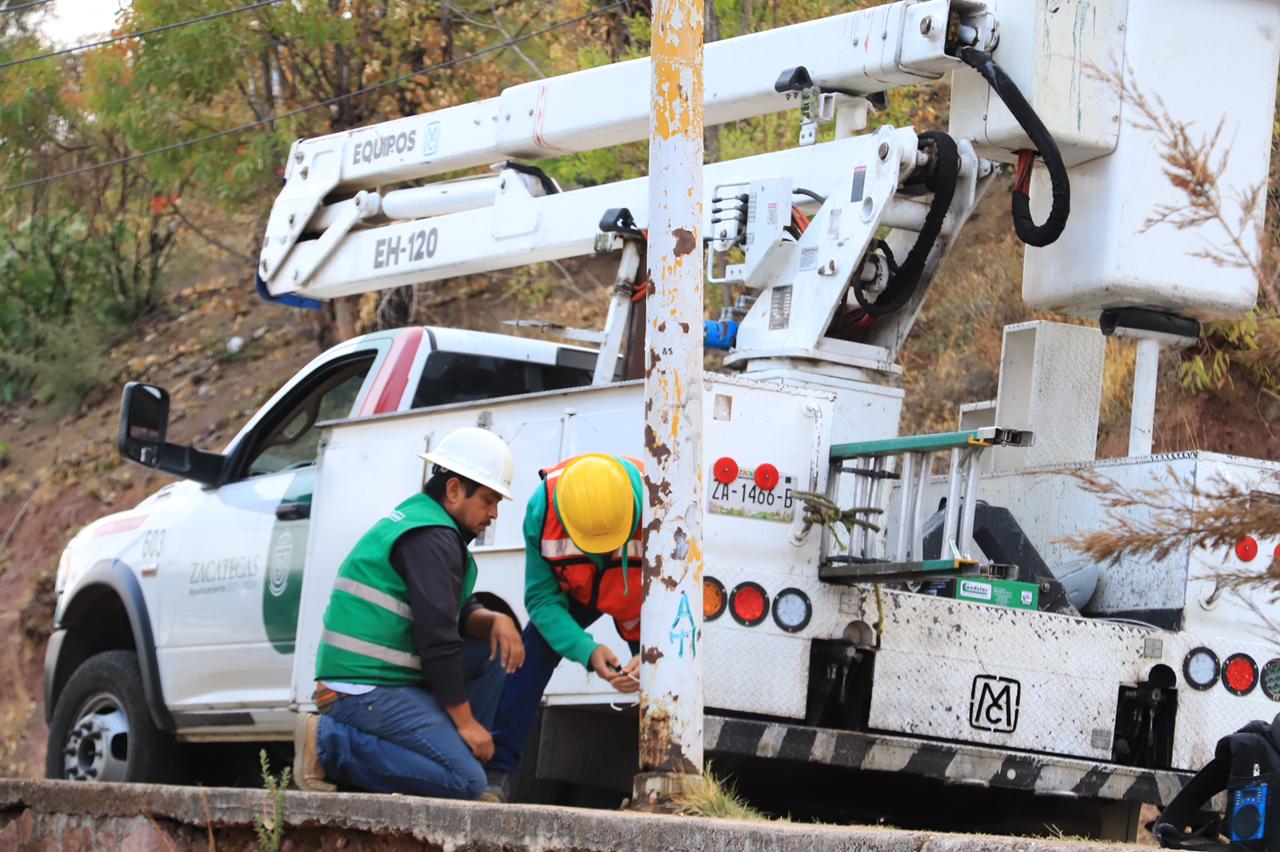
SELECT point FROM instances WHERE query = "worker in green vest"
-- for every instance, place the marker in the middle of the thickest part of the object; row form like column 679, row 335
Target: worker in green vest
column 410, row 666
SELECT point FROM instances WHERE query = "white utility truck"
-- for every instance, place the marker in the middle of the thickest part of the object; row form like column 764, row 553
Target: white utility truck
column 954, row 660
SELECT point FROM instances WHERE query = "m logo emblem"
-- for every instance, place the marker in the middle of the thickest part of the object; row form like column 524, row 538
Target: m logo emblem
column 994, row 703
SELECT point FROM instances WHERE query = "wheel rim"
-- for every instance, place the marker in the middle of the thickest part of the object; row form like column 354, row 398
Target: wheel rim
column 97, row 747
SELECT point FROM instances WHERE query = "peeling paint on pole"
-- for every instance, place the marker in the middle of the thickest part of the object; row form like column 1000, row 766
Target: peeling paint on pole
column 671, row 622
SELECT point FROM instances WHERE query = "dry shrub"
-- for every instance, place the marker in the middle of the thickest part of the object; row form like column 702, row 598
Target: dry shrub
column 1159, row 521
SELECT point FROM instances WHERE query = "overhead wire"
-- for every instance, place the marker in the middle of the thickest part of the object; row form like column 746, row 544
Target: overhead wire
column 19, row 7
column 253, row 125
column 126, row 36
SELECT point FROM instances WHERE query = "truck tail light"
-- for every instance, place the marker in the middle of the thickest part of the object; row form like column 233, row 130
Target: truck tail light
column 792, row 610
column 1247, row 548
column 1239, row 674
column 766, row 477
column 1271, row 680
column 725, row 470
column 749, row 604
column 713, row 599
column 1200, row 668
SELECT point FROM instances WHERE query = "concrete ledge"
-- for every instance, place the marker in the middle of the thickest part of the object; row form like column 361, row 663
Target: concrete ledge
column 138, row 817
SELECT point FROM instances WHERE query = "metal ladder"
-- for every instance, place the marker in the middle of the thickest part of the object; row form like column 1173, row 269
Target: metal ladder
column 871, row 556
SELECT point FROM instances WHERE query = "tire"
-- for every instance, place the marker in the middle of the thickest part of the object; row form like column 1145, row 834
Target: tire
column 101, row 729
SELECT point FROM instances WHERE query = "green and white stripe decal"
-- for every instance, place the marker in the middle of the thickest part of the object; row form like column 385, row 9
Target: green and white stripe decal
column 286, row 555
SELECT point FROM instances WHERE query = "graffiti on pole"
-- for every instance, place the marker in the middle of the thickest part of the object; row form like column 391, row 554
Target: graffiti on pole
column 683, row 629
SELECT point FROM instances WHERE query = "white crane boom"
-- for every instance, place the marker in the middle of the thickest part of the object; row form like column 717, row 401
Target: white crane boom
column 853, row 54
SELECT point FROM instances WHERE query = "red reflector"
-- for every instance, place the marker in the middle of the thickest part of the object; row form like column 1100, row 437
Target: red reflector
column 725, row 470
column 749, row 604
column 1240, row 674
column 1247, row 548
column 767, row 477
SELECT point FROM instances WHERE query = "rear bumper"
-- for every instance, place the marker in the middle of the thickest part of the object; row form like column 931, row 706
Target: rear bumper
column 952, row 763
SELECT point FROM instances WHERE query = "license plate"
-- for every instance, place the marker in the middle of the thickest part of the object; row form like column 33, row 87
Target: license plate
column 742, row 498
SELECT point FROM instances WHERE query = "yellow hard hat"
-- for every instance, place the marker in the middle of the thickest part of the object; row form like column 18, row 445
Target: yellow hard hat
column 596, row 503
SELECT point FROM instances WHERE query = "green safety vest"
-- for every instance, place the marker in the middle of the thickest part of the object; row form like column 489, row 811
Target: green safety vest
column 368, row 626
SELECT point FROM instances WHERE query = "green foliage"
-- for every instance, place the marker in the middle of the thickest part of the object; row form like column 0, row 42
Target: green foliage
column 72, row 281
column 69, row 364
column 1250, row 346
column 81, row 258
column 269, row 825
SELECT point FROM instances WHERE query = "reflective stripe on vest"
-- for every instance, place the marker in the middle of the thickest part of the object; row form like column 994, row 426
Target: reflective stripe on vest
column 368, row 649
column 368, row 624
column 373, row 596
column 564, row 548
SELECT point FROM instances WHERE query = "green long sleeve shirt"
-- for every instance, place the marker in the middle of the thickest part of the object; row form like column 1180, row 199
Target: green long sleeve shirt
column 547, row 604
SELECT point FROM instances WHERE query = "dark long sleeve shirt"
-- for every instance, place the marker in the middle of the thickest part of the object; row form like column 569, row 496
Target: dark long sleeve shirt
column 432, row 561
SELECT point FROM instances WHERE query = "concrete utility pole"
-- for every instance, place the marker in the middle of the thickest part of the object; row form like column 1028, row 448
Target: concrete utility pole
column 671, row 622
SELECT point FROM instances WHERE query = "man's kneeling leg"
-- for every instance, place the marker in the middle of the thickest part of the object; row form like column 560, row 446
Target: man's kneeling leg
column 398, row 740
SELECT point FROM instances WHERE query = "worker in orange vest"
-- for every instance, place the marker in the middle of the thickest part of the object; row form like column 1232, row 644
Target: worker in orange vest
column 583, row 560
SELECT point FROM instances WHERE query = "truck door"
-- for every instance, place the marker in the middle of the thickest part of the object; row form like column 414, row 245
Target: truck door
column 231, row 591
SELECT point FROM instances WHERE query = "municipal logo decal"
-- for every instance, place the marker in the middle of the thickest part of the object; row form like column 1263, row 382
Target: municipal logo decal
column 281, row 560
column 994, row 703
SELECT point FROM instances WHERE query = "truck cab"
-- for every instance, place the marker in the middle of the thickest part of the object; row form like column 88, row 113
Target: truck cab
column 200, row 582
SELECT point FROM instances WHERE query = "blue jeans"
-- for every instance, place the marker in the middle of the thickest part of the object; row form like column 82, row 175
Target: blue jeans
column 522, row 693
column 398, row 739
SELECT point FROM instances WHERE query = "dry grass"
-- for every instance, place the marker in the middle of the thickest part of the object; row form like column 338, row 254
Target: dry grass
column 715, row 797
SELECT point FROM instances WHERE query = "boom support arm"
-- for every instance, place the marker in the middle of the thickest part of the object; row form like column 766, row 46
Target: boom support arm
column 857, row 53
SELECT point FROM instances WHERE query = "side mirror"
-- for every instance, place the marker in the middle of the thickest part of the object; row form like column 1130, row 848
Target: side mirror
column 144, row 425
column 144, row 422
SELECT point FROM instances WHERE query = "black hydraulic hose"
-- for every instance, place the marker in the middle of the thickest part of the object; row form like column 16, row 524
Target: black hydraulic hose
column 904, row 280
column 1028, row 231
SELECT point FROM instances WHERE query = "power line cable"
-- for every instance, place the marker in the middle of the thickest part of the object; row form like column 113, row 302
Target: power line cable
column 439, row 66
column 21, row 6
column 126, row 36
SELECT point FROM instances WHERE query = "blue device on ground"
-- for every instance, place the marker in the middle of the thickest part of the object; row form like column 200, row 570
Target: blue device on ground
column 1248, row 813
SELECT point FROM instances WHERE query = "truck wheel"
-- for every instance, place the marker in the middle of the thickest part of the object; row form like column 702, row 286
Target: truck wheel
column 101, row 729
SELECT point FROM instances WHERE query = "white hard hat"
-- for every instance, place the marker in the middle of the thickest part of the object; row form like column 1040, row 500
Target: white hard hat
column 477, row 454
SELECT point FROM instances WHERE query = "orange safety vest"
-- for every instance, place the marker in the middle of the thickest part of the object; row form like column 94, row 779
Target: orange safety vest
column 611, row 589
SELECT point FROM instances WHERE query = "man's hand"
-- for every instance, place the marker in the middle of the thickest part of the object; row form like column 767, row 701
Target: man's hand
column 505, row 644
column 627, row 680
column 479, row 740
column 603, row 662
column 606, row 665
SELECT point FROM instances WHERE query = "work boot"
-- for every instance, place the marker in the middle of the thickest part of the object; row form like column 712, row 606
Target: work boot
column 498, row 787
column 308, row 773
